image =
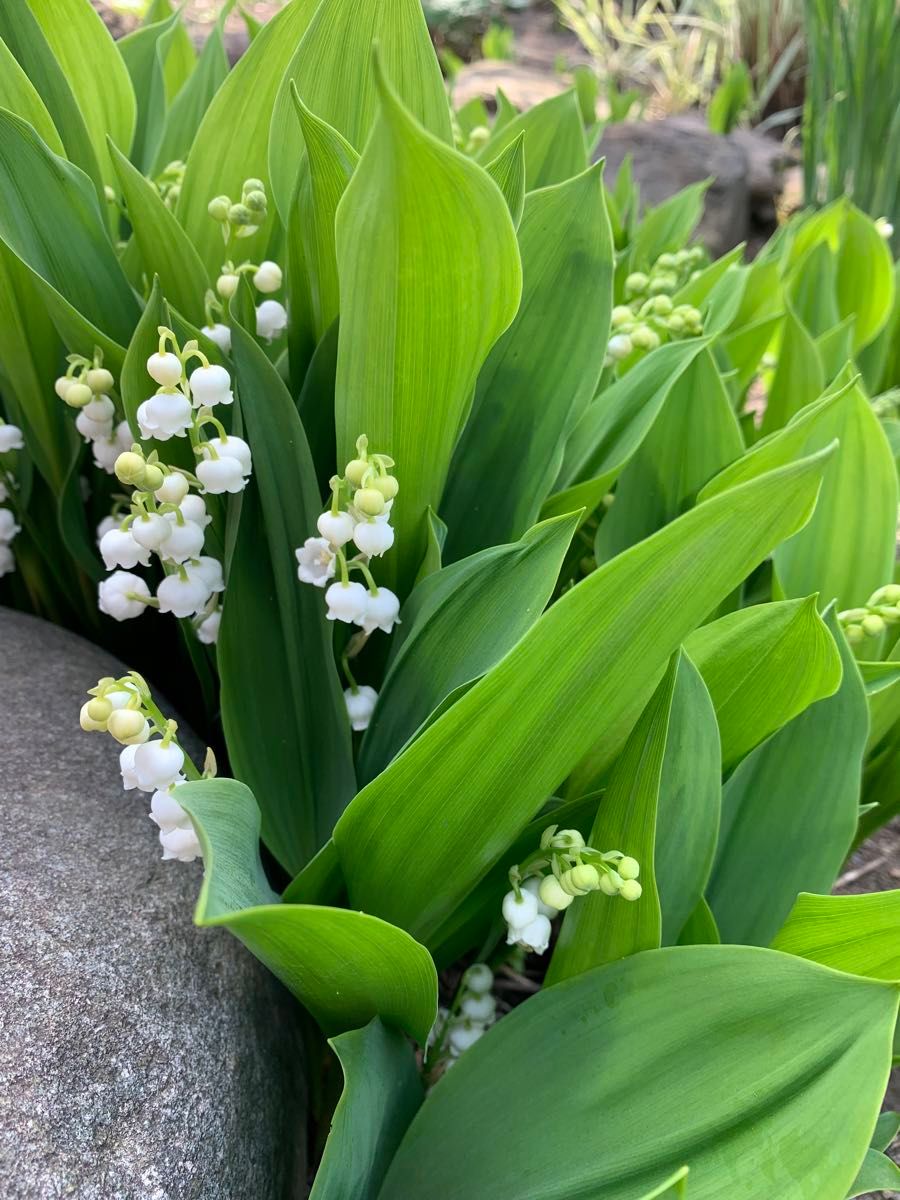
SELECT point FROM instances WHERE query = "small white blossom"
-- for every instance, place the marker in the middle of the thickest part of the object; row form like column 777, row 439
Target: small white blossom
column 463, row 1035
column 157, row 765
column 373, row 537
column 105, row 526
column 271, row 320
column 337, row 527
column 268, row 277
column 211, row 386
column 123, row 436
column 184, row 541
column 884, row 228
column 208, row 629
column 91, row 430
column 126, row 766
column 119, row 549
column 165, row 415
column 174, row 489
column 230, row 447
column 619, row 347
column 519, row 911
column 106, row 451
column 166, row 812
column 360, row 706
column 346, row 602
column 219, row 475
column 10, row 438
column 122, row 595
column 180, row 844
column 183, row 597
column 101, row 410
column 151, row 530
column 210, row 571
column 220, row 335
column 382, row 611
column 479, row 1007
column 8, row 526
column 535, row 937
column 315, row 559
column 165, row 369
column 479, row 978
column 193, row 508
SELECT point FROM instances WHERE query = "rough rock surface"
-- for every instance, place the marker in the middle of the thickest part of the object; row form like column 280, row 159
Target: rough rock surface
column 140, row 1058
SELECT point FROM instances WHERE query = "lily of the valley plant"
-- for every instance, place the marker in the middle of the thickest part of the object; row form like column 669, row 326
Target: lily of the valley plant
column 530, row 575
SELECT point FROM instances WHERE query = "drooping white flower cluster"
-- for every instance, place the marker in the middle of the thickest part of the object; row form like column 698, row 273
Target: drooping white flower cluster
column 165, row 517
column 574, row 870
column 459, row 1027
column 151, row 759
column 359, row 514
column 11, row 440
column 241, row 220
column 90, row 388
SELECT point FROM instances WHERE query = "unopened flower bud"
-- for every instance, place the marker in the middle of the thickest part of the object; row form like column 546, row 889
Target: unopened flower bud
column 608, row 885
column 480, row 1007
column 100, row 381
column 268, row 277
column 240, row 214
column 255, row 201
column 88, row 724
column 355, row 471
column 585, row 877
column 854, row 634
column 253, row 185
column 153, row 478
column 173, row 488
column 631, row 890
column 227, row 285
column 621, row 315
column 99, row 709
column 619, row 347
column 553, row 895
column 661, row 306
column 218, row 208
column 108, row 194
column 479, row 978
column 666, row 262
column 628, row 868
column 873, row 626
column 130, row 468
column 644, row 338
column 675, row 323
column 78, row 395
column 666, row 282
column 128, row 726
column 62, row 385
column 387, row 485
column 636, row 283
column 369, row 501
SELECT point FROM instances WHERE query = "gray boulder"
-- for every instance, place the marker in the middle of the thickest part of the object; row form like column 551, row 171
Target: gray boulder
column 141, row 1058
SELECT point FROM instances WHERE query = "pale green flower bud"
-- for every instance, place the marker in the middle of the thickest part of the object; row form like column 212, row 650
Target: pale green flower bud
column 99, row 710
column 130, row 468
column 369, row 501
column 128, row 726
column 88, row 724
column 665, row 282
column 621, row 315
column 628, row 868
column 608, row 885
column 253, row 185
column 644, row 338
column 661, row 305
column 152, row 478
column 100, row 381
column 78, row 395
column 854, row 634
column 636, row 283
column 873, row 626
column 568, row 839
column 355, row 471
column 666, row 262
column 675, row 323
column 551, row 894
column 218, row 208
column 387, row 485
column 240, row 214
column 108, row 194
column 256, row 202
column 585, row 877
column 631, row 890
column 227, row 285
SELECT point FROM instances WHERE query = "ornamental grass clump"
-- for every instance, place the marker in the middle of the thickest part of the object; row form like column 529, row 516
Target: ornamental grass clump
column 530, row 574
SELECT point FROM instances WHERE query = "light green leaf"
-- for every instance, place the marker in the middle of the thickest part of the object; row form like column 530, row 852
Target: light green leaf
column 457, row 624
column 186, row 111
column 667, row 227
column 488, row 764
column 598, row 929
column 774, row 1072
column 697, row 291
column 382, row 1093
column 748, row 661
column 877, row 1173
column 805, row 777
column 94, row 70
column 19, row 95
column 542, row 373
column 305, row 777
column 508, row 172
column 233, row 139
column 424, row 238
column 164, row 247
column 799, row 376
column 145, row 52
column 345, row 967
column 865, row 277
column 333, row 70
column 856, row 934
column 554, row 141
column 675, row 1185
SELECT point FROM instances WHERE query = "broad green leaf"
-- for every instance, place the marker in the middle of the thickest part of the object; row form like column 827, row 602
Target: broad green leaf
column 233, row 138
column 668, row 226
column 835, row 347
column 144, row 52
column 424, row 240
column 856, row 934
column 488, row 764
column 774, row 1072
column 799, row 376
column 805, row 777
column 305, row 776
column 743, row 348
column 333, row 70
column 700, row 928
column 696, row 291
column 508, row 172
column 811, row 287
column 865, row 277
column 19, row 95
column 164, row 246
column 382, row 1093
column 63, row 243
column 554, row 141
column 694, row 436
column 886, row 1129
column 542, row 373
column 598, row 929
column 748, row 660
column 331, row 161
column 187, row 109
column 315, row 405
column 877, row 1173
column 345, row 967
column 93, row 68
column 456, row 625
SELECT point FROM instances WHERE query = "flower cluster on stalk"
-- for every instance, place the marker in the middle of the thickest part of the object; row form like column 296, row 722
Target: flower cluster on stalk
column 89, row 387
column 871, row 620
column 11, row 440
column 359, row 514
column 650, row 316
column 151, row 759
column 549, row 880
column 457, row 1028
column 165, row 517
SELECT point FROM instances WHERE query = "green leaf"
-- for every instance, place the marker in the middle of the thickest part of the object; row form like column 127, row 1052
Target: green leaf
column 675, row 1185
column 182, row 120
column 748, row 661
column 554, row 141
column 731, row 99
column 508, row 172
column 19, row 95
column 886, row 1129
column 94, row 70
column 144, row 52
column 542, row 373
column 856, row 934
column 799, row 376
column 333, row 70
column 877, row 1173
column 233, row 139
column 456, row 625
column 805, row 777
column 865, row 277
column 382, row 1093
column 598, row 929
column 164, row 246
column 700, row 929
column 774, row 1072
column 345, row 967
column 305, row 777
column 694, row 436
column 488, row 764
column 667, row 227
column 424, row 238
column 63, row 243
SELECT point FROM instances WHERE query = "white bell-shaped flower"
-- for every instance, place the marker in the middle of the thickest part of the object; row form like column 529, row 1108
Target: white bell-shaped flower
column 180, row 844
column 210, row 571
column 479, row 1007
column 346, row 602
column 8, row 526
column 90, row 430
column 518, row 912
column 337, row 527
column 535, row 937
column 7, row 560
column 220, row 335
column 151, row 530
column 230, row 447
column 123, row 436
column 208, row 629
column 219, row 475
column 193, row 508
column 157, row 765
column 166, row 812
column 165, row 369
column 373, row 537
column 619, row 346
column 184, row 541
column 267, row 278
column 10, row 438
column 463, row 1035
column 382, row 611
column 183, row 596
column 211, row 386
column 174, row 489
column 479, row 978
column 165, row 415
column 119, row 549
column 105, row 526
column 122, row 595
column 315, row 561
column 126, row 766
column 101, row 409
column 271, row 320
column 360, row 706
column 106, row 451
